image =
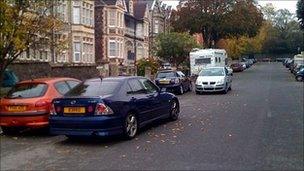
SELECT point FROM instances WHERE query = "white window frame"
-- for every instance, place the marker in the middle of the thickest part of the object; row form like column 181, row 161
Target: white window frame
column 76, row 19
column 114, row 17
column 78, row 52
column 115, row 48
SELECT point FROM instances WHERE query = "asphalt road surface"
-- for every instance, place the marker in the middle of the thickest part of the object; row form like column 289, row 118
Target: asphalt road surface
column 257, row 125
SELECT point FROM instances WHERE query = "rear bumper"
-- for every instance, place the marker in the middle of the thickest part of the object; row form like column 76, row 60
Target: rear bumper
column 201, row 88
column 86, row 126
column 170, row 87
column 41, row 120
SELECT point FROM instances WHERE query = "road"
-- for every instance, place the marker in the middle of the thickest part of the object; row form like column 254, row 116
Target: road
column 258, row 125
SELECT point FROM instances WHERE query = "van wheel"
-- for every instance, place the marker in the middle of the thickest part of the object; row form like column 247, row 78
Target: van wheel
column 131, row 126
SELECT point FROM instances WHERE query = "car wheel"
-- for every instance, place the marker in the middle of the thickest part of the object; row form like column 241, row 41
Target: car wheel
column 190, row 87
column 226, row 89
column 131, row 126
column 174, row 111
column 181, row 90
column 299, row 78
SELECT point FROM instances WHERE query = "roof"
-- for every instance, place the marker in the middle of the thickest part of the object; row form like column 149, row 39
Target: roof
column 139, row 10
column 150, row 3
column 118, row 78
column 109, row 2
column 47, row 80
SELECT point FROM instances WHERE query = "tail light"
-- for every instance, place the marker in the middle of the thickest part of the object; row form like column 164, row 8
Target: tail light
column 42, row 103
column 102, row 109
column 53, row 110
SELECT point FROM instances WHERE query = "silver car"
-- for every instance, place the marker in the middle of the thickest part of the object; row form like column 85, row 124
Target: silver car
column 214, row 79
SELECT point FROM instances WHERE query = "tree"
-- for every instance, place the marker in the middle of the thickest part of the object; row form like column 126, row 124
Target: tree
column 24, row 25
column 217, row 19
column 143, row 63
column 174, row 47
column 300, row 12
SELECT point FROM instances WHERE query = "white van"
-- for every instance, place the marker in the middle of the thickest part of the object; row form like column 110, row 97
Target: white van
column 203, row 58
column 299, row 59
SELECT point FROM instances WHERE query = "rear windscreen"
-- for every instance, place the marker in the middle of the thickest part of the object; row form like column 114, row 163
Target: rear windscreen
column 94, row 88
column 166, row 74
column 27, row 90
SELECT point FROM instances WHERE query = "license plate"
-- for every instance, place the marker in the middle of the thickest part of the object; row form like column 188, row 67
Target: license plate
column 164, row 82
column 74, row 110
column 16, row 108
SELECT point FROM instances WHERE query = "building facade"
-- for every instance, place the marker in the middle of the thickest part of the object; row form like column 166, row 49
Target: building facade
column 77, row 35
column 121, row 35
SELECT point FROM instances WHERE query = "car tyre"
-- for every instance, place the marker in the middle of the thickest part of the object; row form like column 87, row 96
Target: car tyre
column 9, row 130
column 130, row 126
column 299, row 78
column 174, row 111
column 181, row 90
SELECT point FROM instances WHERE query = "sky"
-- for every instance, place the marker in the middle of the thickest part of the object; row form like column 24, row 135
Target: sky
column 291, row 5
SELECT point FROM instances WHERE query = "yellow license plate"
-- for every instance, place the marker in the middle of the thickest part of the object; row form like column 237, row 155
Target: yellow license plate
column 164, row 82
column 16, row 108
column 74, row 110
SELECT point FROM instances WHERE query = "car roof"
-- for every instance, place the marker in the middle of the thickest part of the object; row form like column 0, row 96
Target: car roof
column 47, row 80
column 118, row 78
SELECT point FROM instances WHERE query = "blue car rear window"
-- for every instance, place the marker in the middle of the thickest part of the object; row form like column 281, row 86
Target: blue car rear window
column 94, row 88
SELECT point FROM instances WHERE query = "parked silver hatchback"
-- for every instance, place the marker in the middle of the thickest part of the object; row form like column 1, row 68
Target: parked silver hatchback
column 214, row 79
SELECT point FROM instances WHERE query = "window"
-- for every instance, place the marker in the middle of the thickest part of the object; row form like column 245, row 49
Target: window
column 139, row 30
column 140, row 50
column 149, row 86
column 94, row 88
column 72, row 84
column 112, row 48
column 202, row 61
column 136, row 87
column 112, row 19
column 76, row 15
column 62, row 87
column 215, row 59
column 156, row 26
column 219, row 59
column 27, row 91
column 77, row 47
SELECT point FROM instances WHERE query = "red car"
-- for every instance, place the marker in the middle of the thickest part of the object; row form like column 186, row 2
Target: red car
column 237, row 67
column 28, row 103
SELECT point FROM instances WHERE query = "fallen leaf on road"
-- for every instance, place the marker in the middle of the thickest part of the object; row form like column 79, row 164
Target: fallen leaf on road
column 148, row 141
column 15, row 138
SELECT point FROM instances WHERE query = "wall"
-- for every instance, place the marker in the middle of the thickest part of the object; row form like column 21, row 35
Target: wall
column 34, row 70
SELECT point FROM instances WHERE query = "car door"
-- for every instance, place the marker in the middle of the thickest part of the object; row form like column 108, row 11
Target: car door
column 154, row 98
column 139, row 100
column 228, row 76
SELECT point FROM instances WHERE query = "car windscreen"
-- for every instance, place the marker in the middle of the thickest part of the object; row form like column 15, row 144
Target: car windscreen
column 212, row 72
column 27, row 90
column 165, row 74
column 94, row 88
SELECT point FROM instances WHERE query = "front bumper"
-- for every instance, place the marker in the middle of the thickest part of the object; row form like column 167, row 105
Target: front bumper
column 209, row 88
column 86, row 125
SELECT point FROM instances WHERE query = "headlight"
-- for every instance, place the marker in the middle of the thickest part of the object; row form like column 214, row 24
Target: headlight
column 221, row 81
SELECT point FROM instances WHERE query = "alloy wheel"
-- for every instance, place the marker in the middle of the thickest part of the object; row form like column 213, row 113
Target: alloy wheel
column 299, row 78
column 131, row 126
column 174, row 110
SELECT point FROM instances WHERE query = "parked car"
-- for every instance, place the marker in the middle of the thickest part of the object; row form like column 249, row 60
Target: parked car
column 237, row 67
column 300, row 75
column 297, row 68
column 111, row 106
column 28, row 103
column 214, row 79
column 243, row 65
column 288, row 63
column 173, row 81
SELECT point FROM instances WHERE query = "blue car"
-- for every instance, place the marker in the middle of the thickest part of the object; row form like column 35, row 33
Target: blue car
column 111, row 106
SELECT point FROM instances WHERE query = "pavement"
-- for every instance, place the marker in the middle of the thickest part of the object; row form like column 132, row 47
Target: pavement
column 256, row 126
